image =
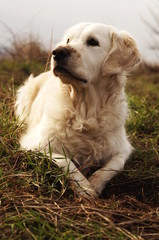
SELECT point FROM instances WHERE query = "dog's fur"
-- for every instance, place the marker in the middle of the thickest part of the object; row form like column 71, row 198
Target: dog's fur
column 79, row 107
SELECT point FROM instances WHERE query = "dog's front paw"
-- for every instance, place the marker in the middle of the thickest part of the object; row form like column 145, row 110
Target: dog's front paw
column 96, row 183
column 84, row 189
column 88, row 193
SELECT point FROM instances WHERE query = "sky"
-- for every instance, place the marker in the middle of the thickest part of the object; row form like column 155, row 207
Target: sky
column 48, row 19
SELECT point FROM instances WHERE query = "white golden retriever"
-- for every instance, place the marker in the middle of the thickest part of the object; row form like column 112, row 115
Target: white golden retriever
column 79, row 107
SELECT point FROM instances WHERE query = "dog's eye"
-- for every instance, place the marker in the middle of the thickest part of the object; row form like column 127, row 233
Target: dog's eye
column 68, row 40
column 92, row 42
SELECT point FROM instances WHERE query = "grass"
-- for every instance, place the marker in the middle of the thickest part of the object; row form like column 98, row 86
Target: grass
column 36, row 200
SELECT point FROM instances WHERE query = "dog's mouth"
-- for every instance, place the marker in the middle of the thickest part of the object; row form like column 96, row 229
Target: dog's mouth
column 61, row 71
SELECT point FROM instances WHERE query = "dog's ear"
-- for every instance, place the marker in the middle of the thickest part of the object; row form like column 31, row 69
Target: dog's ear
column 123, row 54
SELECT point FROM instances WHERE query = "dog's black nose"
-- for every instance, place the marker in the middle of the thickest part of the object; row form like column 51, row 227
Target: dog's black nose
column 61, row 53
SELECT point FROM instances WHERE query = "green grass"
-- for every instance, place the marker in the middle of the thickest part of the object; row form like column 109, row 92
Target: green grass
column 36, row 200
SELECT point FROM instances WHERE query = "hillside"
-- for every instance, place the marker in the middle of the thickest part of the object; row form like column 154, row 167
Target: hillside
column 36, row 201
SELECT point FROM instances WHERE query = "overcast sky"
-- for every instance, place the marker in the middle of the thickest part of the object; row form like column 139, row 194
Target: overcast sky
column 43, row 17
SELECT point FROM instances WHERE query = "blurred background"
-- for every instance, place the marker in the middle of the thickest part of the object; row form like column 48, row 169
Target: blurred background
column 45, row 21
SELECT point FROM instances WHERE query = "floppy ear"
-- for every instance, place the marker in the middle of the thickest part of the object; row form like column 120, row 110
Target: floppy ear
column 123, row 54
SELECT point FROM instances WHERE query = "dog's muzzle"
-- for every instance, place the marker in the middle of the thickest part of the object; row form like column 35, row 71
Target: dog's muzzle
column 61, row 57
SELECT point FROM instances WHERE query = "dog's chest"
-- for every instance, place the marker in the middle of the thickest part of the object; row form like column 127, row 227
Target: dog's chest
column 85, row 138
column 86, row 129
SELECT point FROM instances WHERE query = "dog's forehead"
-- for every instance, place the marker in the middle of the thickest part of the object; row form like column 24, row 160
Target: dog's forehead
column 90, row 29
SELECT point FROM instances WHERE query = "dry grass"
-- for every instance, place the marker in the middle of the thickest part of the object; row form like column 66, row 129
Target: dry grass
column 23, row 47
column 104, row 219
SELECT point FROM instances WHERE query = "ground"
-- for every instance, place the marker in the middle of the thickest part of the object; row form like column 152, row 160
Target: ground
column 36, row 200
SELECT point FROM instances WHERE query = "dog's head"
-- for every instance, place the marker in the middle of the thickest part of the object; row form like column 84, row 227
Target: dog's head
column 90, row 51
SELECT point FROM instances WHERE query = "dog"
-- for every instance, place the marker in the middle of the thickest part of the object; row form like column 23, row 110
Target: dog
column 78, row 108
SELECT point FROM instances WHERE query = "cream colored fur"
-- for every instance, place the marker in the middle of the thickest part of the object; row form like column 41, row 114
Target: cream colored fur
column 86, row 120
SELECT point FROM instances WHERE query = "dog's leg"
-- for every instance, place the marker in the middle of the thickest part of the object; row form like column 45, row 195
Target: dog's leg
column 99, row 178
column 81, row 185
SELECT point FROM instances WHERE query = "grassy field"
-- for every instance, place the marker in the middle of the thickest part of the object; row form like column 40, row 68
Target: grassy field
column 36, row 201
